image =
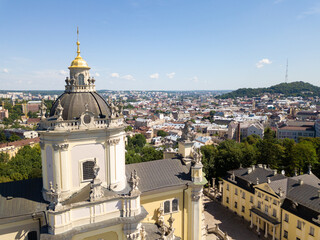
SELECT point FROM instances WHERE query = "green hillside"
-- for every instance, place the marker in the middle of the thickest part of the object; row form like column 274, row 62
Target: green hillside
column 288, row 89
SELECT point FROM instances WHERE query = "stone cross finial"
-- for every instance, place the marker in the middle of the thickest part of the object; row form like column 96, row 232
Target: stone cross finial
column 43, row 109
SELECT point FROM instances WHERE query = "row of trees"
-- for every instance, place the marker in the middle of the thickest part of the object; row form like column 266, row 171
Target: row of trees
column 138, row 151
column 25, row 165
column 277, row 154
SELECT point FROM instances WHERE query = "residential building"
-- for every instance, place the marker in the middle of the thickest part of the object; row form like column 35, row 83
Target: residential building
column 280, row 207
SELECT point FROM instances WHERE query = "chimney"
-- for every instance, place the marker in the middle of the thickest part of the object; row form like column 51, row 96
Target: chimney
column 238, row 133
column 257, row 181
column 300, row 181
column 274, row 172
column 249, row 170
column 268, row 180
column 264, row 166
column 309, row 169
column 253, row 167
column 295, row 172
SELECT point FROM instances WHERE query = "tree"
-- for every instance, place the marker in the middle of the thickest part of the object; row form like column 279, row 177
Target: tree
column 3, row 137
column 14, row 137
column 128, row 128
column 162, row 133
column 209, row 154
column 229, row 157
column 269, row 153
column 304, row 155
column 269, row 134
column 32, row 114
column 287, row 161
column 249, row 154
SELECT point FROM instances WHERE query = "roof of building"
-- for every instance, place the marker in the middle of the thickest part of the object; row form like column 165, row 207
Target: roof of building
column 160, row 174
column 21, row 198
column 73, row 104
column 20, row 143
column 294, row 128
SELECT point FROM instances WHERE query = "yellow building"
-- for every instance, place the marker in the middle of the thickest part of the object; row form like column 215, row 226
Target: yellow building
column 87, row 191
column 279, row 207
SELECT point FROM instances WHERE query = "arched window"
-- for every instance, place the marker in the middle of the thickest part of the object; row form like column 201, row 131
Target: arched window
column 81, row 79
column 87, row 170
column 167, row 207
column 174, row 205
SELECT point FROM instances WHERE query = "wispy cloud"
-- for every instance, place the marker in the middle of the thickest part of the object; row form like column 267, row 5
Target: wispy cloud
column 195, row 79
column 115, row 75
column 263, row 62
column 5, row 70
column 97, row 74
column 171, row 75
column 128, row 77
column 311, row 11
column 154, row 76
column 62, row 72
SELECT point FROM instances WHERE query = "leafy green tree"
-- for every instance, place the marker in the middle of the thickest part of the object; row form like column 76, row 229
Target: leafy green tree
column 3, row 137
column 162, row 133
column 14, row 137
column 209, row 154
column 32, row 114
column 304, row 154
column 269, row 134
column 287, row 162
column 252, row 139
column 229, row 157
column 128, row 128
column 270, row 153
column 249, row 154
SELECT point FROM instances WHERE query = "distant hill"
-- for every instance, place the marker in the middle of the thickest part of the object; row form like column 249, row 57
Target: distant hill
column 302, row 89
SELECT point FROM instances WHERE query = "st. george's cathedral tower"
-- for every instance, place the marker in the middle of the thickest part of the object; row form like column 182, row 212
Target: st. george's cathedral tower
column 87, row 191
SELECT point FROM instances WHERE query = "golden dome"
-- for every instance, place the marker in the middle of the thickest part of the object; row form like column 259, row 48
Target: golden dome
column 79, row 62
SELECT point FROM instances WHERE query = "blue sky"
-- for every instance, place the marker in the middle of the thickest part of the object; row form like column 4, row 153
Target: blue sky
column 160, row 45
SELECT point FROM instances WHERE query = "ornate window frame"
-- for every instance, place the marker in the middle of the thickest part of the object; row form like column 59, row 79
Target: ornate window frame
column 81, row 162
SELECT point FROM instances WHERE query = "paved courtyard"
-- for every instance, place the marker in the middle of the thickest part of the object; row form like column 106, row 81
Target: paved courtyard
column 228, row 222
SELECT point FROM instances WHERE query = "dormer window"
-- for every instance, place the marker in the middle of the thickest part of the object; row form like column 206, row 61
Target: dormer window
column 81, row 79
column 87, row 170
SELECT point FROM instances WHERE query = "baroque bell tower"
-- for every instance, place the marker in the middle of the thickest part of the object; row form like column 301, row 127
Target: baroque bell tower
column 81, row 131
